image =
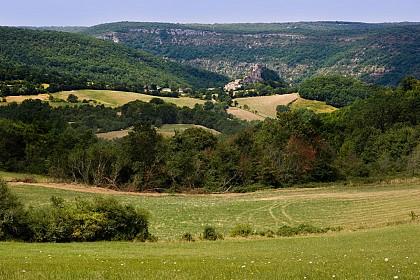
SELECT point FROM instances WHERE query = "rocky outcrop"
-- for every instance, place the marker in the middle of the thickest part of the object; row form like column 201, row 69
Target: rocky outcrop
column 256, row 76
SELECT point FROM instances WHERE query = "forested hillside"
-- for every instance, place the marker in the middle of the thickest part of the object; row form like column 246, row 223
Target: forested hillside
column 378, row 53
column 376, row 136
column 33, row 61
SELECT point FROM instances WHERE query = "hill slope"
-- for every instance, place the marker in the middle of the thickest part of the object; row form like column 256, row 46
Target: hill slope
column 47, row 56
column 380, row 53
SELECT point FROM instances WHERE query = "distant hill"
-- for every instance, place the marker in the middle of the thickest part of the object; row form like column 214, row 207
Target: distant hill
column 378, row 53
column 52, row 57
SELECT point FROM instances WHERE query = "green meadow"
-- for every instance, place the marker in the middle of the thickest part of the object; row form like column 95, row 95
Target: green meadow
column 378, row 241
column 385, row 253
column 351, row 207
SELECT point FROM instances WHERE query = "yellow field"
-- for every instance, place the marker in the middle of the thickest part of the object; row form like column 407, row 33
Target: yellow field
column 265, row 106
column 167, row 130
column 20, row 98
column 119, row 98
column 316, row 106
column 244, row 114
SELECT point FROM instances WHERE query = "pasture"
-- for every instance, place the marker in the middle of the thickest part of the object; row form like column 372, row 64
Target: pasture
column 244, row 114
column 316, row 106
column 265, row 106
column 385, row 253
column 352, row 207
column 379, row 240
column 262, row 107
column 107, row 98
column 167, row 130
column 119, row 98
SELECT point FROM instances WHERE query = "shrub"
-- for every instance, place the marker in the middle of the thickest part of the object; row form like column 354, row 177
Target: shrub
column 286, row 231
column 210, row 233
column 304, row 229
column 88, row 220
column 266, row 233
column 13, row 217
column 413, row 216
column 241, row 230
column 187, row 237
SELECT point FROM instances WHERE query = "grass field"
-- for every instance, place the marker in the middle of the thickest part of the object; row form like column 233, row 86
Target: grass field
column 106, row 97
column 386, row 253
column 265, row 106
column 119, row 98
column 166, row 130
column 262, row 107
column 378, row 240
column 351, row 207
column 316, row 106
column 244, row 114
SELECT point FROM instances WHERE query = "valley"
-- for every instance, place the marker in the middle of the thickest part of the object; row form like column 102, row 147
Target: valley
column 379, row 53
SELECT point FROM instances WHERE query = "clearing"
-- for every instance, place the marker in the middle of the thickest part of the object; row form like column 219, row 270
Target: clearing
column 119, row 98
column 265, row 106
column 167, row 130
column 106, row 97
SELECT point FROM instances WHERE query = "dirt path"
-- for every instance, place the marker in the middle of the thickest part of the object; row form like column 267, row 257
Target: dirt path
column 279, row 195
column 98, row 190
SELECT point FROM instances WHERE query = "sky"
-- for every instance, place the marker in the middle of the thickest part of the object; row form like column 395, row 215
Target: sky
column 92, row 12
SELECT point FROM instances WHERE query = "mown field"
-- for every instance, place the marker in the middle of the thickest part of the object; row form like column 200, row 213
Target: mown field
column 119, row 98
column 262, row 107
column 316, row 106
column 386, row 253
column 352, row 207
column 167, row 130
column 378, row 240
column 265, row 106
column 106, row 97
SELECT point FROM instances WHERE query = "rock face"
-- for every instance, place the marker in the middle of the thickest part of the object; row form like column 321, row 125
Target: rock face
column 256, row 76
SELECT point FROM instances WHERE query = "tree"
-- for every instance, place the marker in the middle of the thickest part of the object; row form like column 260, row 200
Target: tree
column 72, row 98
column 145, row 150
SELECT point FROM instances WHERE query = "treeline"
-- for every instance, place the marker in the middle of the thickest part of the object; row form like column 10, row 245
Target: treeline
column 376, row 136
column 66, row 61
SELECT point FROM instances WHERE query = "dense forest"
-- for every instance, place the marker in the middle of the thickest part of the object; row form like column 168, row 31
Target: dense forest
column 33, row 61
column 375, row 136
column 337, row 91
column 377, row 53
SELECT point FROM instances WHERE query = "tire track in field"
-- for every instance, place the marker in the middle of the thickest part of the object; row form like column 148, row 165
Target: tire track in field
column 284, row 212
column 270, row 209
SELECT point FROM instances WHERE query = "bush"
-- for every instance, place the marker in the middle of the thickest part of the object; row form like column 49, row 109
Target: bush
column 210, row 233
column 187, row 237
column 13, row 217
column 304, row 229
column 99, row 219
column 241, row 230
column 286, row 231
column 266, row 233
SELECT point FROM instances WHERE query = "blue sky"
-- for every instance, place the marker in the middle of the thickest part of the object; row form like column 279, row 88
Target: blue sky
column 91, row 12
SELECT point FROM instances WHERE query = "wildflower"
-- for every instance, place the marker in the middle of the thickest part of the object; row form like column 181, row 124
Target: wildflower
column 386, row 259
